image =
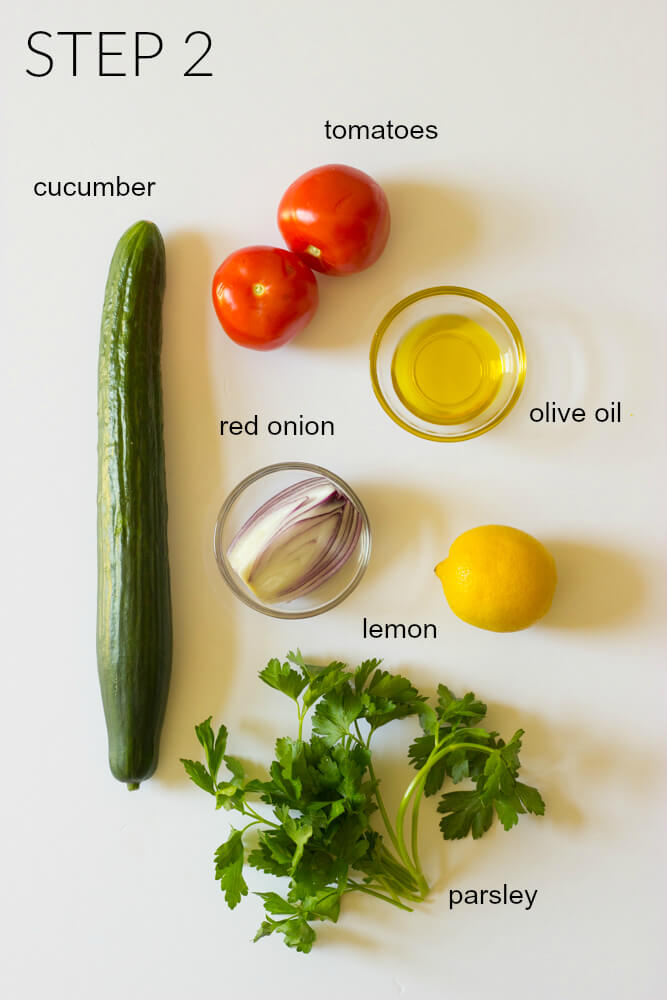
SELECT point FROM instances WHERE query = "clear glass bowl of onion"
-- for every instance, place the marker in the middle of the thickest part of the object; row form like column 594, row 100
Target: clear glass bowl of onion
column 292, row 540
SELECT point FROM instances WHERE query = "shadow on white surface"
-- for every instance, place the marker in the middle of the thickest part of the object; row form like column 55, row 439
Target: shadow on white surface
column 204, row 644
column 597, row 587
column 432, row 226
column 580, row 358
column 404, row 521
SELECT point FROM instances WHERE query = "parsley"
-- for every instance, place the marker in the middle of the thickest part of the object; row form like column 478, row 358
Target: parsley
column 311, row 818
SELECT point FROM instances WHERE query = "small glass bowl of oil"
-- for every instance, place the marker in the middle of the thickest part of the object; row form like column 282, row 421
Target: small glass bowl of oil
column 447, row 363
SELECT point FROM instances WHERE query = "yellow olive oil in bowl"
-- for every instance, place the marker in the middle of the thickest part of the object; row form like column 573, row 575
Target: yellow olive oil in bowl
column 447, row 369
column 447, row 363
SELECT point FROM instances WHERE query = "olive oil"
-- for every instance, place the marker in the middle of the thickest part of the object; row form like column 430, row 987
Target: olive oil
column 447, row 369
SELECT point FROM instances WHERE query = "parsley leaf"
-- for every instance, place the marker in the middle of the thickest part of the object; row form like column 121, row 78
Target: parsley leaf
column 508, row 808
column 363, row 672
column 530, row 799
column 214, row 746
column 198, row 773
column 307, row 669
column 324, row 681
column 496, row 788
column 236, row 767
column 297, row 932
column 321, row 903
column 273, row 854
column 387, row 697
column 501, row 767
column 456, row 711
column 281, row 677
column 298, row 830
column 464, row 812
column 229, row 869
column 275, row 904
column 335, row 714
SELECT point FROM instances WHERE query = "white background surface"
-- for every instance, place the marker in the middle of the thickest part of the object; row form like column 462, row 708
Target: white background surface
column 545, row 189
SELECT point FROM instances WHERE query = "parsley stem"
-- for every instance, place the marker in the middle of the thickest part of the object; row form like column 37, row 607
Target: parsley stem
column 396, row 878
column 360, row 739
column 378, row 795
column 400, row 823
column 249, row 811
column 387, row 886
column 355, row 887
column 413, row 872
column 383, row 810
column 439, row 754
column 416, row 788
column 415, row 829
column 398, row 893
column 248, row 825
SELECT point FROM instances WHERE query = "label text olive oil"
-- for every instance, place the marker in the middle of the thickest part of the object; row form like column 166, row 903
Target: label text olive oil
column 447, row 369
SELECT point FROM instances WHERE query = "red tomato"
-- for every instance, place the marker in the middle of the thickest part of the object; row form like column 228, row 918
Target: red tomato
column 336, row 218
column 264, row 296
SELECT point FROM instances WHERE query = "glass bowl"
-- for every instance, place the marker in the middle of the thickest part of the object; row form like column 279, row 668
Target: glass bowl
column 452, row 303
column 246, row 498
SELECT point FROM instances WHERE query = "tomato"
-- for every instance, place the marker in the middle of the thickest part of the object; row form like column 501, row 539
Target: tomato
column 336, row 218
column 264, row 296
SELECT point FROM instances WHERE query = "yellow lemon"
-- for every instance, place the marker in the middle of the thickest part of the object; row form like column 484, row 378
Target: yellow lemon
column 498, row 578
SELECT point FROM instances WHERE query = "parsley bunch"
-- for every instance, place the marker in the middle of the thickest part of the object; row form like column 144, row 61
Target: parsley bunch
column 322, row 792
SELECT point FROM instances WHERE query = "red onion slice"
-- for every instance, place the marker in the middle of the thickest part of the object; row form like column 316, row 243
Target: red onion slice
column 296, row 541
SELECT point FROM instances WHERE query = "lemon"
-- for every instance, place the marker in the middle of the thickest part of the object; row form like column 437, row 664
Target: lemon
column 498, row 578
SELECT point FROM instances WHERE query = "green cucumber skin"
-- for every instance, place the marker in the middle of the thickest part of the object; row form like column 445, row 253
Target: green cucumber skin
column 134, row 630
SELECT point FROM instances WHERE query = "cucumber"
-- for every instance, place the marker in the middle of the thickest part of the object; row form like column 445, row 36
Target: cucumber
column 134, row 632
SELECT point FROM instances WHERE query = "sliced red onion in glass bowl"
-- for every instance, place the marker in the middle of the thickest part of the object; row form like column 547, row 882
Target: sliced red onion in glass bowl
column 290, row 546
